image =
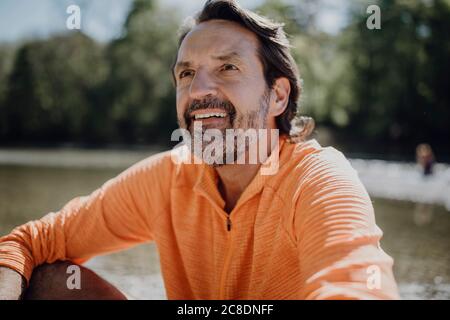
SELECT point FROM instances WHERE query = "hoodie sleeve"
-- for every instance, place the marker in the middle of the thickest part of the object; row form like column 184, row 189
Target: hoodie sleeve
column 116, row 216
column 338, row 240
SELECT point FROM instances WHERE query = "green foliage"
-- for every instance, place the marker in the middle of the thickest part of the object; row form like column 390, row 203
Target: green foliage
column 142, row 94
column 6, row 61
column 388, row 85
column 324, row 69
column 69, row 88
column 50, row 86
column 401, row 72
column 380, row 85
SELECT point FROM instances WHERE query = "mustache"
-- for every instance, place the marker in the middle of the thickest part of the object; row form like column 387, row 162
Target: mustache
column 205, row 104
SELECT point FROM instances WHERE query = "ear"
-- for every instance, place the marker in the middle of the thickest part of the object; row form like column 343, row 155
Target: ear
column 279, row 96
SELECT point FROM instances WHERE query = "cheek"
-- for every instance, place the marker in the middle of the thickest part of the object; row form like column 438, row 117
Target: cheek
column 246, row 102
column 180, row 104
column 246, row 95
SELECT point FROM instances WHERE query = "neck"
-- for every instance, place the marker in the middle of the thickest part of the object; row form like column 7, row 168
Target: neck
column 234, row 178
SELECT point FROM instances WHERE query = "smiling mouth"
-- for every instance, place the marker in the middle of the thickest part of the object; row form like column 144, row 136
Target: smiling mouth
column 202, row 116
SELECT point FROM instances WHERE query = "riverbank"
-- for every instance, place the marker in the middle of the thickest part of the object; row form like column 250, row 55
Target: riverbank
column 382, row 179
column 405, row 181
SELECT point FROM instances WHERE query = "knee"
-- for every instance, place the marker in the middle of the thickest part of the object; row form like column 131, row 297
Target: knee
column 48, row 281
column 49, row 276
column 57, row 281
column 50, row 273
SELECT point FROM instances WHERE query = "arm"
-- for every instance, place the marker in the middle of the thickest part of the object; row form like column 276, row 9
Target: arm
column 116, row 216
column 12, row 284
column 338, row 240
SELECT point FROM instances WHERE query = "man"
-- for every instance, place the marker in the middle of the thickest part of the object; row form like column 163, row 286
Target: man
column 224, row 230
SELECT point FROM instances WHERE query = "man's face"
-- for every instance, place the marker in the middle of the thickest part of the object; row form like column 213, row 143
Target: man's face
column 218, row 72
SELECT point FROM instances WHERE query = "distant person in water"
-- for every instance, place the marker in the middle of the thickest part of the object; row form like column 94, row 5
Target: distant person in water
column 423, row 212
column 425, row 157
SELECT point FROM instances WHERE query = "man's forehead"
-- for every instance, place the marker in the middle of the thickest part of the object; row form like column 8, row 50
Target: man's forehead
column 218, row 38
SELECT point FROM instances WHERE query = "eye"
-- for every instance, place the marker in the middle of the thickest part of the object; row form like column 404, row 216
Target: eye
column 229, row 67
column 185, row 73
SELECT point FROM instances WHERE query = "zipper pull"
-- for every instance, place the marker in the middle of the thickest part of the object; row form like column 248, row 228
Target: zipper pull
column 228, row 223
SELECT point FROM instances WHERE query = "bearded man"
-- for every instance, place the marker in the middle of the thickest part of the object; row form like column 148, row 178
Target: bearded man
column 223, row 228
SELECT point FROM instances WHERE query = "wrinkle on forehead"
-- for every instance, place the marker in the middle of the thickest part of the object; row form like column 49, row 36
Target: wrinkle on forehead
column 216, row 37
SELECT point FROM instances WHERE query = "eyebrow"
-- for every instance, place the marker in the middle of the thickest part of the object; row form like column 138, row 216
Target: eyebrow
column 231, row 56
column 181, row 65
column 228, row 56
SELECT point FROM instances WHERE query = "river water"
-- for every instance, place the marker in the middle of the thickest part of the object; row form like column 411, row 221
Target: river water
column 416, row 234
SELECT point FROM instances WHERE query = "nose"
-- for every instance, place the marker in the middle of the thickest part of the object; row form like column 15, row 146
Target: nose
column 202, row 85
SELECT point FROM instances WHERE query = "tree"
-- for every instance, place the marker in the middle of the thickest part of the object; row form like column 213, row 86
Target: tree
column 401, row 72
column 50, row 89
column 6, row 61
column 142, row 94
column 322, row 62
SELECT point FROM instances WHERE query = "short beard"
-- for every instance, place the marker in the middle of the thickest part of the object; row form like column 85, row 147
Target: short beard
column 256, row 119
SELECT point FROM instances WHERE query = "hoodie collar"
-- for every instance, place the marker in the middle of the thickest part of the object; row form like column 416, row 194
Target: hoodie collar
column 208, row 179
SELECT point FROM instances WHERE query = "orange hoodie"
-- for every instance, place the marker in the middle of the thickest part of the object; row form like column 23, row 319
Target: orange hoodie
column 307, row 232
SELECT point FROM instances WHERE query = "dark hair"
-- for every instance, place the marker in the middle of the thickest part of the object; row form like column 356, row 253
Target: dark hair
column 274, row 52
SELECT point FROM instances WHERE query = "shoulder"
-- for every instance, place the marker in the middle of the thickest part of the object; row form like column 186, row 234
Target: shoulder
column 308, row 163
column 322, row 162
column 316, row 174
column 154, row 170
column 160, row 161
column 163, row 168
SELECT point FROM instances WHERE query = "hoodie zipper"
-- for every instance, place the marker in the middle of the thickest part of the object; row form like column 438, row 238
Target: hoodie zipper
column 228, row 223
column 227, row 260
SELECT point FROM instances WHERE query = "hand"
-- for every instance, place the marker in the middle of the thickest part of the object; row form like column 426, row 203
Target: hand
column 12, row 284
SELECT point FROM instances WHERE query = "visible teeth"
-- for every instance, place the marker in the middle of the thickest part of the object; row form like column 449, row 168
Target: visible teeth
column 209, row 115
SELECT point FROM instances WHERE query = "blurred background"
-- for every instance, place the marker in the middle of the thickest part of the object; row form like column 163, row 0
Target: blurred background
column 79, row 106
